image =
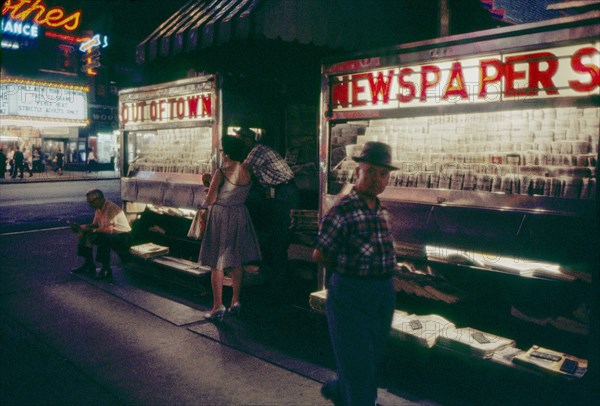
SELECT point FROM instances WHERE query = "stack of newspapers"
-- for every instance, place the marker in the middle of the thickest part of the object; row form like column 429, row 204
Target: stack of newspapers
column 422, row 330
column 552, row 362
column 473, row 342
column 148, row 250
column 317, row 300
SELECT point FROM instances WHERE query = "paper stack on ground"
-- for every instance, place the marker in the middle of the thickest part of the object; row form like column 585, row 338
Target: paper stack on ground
column 148, row 250
column 473, row 342
column 422, row 330
column 317, row 300
column 552, row 362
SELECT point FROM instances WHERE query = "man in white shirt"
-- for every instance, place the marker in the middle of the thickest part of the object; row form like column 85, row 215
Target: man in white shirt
column 109, row 230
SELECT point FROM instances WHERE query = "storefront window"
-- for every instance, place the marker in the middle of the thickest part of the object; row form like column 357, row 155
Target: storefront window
column 549, row 152
column 183, row 150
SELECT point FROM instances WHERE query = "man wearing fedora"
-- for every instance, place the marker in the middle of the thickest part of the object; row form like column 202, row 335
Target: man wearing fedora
column 273, row 196
column 355, row 244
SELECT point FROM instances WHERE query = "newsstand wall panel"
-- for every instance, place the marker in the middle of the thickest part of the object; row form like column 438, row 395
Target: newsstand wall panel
column 496, row 135
column 171, row 136
column 494, row 206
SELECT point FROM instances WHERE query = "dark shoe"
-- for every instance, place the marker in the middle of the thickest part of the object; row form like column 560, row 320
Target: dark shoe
column 216, row 315
column 104, row 274
column 235, row 309
column 89, row 268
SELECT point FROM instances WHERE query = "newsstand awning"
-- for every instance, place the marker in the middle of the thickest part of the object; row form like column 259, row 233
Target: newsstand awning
column 337, row 24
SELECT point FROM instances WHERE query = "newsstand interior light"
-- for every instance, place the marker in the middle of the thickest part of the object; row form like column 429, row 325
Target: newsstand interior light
column 489, row 260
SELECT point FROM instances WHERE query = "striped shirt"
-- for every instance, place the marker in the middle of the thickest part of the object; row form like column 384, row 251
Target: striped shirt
column 357, row 239
column 269, row 168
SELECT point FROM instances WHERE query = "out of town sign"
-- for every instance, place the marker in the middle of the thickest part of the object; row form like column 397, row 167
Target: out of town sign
column 51, row 17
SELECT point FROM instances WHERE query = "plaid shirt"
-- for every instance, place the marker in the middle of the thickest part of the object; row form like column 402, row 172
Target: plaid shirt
column 268, row 166
column 357, row 239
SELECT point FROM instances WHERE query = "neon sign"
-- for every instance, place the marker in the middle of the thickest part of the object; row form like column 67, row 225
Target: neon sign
column 64, row 37
column 50, row 17
column 19, row 28
column 556, row 72
column 93, row 43
column 167, row 109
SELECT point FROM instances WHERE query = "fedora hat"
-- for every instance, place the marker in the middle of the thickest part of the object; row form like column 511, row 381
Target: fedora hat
column 246, row 132
column 376, row 153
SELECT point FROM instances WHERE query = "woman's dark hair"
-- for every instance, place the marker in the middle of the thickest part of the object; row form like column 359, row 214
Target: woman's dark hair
column 234, row 148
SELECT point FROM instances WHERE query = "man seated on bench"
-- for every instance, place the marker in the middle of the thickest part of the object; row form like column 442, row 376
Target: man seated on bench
column 109, row 230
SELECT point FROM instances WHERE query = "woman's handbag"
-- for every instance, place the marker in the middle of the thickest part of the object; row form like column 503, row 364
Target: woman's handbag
column 198, row 224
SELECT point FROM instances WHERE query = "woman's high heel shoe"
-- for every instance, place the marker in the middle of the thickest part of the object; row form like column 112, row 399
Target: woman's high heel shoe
column 235, row 308
column 216, row 314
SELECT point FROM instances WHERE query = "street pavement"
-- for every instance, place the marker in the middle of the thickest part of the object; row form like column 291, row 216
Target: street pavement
column 68, row 339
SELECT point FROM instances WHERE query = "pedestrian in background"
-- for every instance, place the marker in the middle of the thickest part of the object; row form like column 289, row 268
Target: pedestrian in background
column 28, row 161
column 60, row 161
column 229, row 239
column 11, row 162
column 3, row 159
column 91, row 161
column 274, row 195
column 18, row 162
column 355, row 244
column 109, row 230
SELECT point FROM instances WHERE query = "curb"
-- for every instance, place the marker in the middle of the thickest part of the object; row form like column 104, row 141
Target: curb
column 56, row 178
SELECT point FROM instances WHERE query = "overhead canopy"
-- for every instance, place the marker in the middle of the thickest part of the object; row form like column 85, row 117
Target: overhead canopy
column 336, row 24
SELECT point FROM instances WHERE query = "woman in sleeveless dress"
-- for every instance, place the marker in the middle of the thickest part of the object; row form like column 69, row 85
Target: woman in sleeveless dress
column 229, row 238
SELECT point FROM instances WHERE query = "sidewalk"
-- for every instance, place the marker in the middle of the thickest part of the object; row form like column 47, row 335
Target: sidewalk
column 51, row 176
column 68, row 339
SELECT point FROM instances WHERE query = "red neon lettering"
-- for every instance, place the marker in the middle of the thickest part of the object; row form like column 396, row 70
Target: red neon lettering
column 426, row 84
column 339, row 92
column 193, row 106
column 511, row 75
column 206, row 106
column 153, row 115
column 485, row 78
column 52, row 17
column 543, row 77
column 458, row 88
column 406, row 85
column 357, row 90
column 590, row 69
column 161, row 108
column 138, row 111
column 124, row 113
column 381, row 86
column 172, row 101
column 180, row 108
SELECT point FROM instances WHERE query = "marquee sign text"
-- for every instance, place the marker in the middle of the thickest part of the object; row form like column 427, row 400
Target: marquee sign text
column 168, row 109
column 53, row 17
column 557, row 72
column 43, row 101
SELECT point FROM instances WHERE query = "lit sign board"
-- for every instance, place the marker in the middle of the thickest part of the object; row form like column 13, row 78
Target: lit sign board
column 557, row 72
column 53, row 17
column 94, row 42
column 19, row 28
column 21, row 99
column 186, row 101
column 165, row 110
